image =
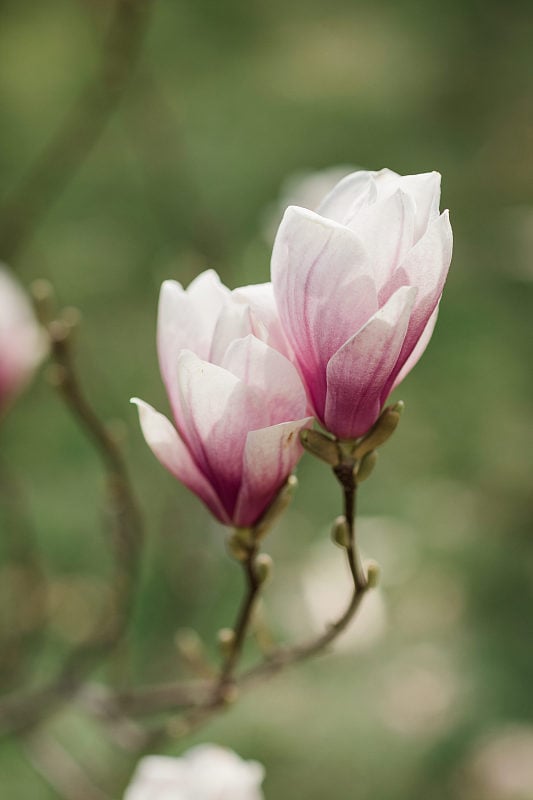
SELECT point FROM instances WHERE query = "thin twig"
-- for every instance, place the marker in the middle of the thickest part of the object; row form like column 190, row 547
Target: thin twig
column 22, row 211
column 22, row 711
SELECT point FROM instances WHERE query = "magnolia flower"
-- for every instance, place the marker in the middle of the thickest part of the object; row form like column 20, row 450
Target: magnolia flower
column 206, row 772
column 21, row 341
column 237, row 402
column 357, row 286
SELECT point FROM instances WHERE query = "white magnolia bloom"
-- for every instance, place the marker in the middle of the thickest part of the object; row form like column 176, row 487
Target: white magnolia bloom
column 206, row 772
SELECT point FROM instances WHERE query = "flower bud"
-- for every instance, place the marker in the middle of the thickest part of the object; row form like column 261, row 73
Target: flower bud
column 340, row 532
column 372, row 574
column 366, row 466
column 382, row 430
column 321, row 446
column 263, row 567
column 226, row 641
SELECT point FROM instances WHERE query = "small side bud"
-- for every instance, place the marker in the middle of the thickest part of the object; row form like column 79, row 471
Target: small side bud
column 340, row 533
column 71, row 316
column 188, row 644
column 276, row 508
column 43, row 296
column 372, row 574
column 320, row 446
column 263, row 567
column 226, row 641
column 366, row 466
column 382, row 430
column 240, row 543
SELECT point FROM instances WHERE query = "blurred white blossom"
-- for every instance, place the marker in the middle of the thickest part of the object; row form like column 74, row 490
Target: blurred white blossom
column 206, row 772
column 500, row 766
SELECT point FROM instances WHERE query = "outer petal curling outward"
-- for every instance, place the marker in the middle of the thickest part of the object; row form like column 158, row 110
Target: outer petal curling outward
column 167, row 446
column 358, row 371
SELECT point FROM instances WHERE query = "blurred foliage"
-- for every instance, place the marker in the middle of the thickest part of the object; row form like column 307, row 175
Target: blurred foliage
column 229, row 98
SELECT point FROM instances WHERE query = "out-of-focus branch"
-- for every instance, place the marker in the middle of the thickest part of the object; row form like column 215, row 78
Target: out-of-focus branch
column 23, row 581
column 57, row 767
column 21, row 212
column 20, row 712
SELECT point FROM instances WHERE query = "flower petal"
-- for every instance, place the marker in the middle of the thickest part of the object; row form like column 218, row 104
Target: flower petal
column 279, row 390
column 418, row 350
column 270, row 455
column 426, row 267
column 349, row 196
column 234, row 322
column 358, row 372
column 266, row 324
column 171, row 451
column 316, row 265
column 217, row 408
column 387, row 229
column 186, row 320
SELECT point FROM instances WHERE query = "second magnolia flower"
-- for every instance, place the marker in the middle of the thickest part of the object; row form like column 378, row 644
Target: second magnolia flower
column 238, row 403
column 357, row 286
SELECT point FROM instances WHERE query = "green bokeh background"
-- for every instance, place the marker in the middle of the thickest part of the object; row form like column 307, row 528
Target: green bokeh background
column 228, row 100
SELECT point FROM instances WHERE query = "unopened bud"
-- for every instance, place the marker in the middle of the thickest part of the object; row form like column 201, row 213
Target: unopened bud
column 340, row 532
column 263, row 567
column 71, row 316
column 240, row 543
column 42, row 293
column 382, row 430
column 372, row 574
column 188, row 644
column 366, row 466
column 321, row 446
column 226, row 641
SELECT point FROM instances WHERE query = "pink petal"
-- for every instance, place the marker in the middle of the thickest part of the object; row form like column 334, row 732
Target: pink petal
column 186, row 320
column 426, row 267
column 270, row 378
column 424, row 189
column 216, row 408
column 234, row 322
column 387, row 229
column 418, row 349
column 266, row 324
column 270, row 455
column 345, row 201
column 171, row 451
column 323, row 290
column 358, row 372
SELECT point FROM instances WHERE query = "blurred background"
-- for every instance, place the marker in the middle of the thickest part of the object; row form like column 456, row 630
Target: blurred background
column 180, row 163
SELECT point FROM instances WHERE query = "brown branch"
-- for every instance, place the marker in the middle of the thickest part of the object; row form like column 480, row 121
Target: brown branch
column 22, row 711
column 23, row 210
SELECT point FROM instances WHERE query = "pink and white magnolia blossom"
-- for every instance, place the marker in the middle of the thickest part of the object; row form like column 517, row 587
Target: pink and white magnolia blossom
column 21, row 340
column 238, row 403
column 357, row 286
column 206, row 772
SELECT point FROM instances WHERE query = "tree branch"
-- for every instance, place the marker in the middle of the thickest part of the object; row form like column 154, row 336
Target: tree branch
column 23, row 210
